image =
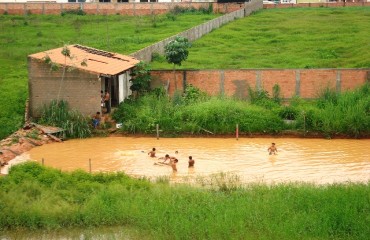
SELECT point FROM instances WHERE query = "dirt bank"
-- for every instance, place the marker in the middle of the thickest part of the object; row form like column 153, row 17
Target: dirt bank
column 22, row 141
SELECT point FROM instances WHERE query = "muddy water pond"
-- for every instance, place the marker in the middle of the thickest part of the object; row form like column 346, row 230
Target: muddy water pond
column 318, row 161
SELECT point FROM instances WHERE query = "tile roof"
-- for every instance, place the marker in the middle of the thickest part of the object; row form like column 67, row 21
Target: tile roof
column 97, row 61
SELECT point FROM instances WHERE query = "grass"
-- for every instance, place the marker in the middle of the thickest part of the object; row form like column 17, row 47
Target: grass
column 285, row 38
column 74, row 124
column 272, row 38
column 44, row 198
column 24, row 35
column 332, row 114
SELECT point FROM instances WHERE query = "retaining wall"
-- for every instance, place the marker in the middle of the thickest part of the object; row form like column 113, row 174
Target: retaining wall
column 305, row 83
column 197, row 32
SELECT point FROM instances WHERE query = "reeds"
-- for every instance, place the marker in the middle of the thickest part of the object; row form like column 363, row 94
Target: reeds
column 74, row 124
column 332, row 114
column 346, row 113
column 34, row 197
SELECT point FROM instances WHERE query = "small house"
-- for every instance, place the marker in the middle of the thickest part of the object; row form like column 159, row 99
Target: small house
column 78, row 74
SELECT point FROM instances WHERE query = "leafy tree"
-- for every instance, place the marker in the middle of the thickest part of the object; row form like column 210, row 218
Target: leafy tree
column 176, row 51
column 140, row 78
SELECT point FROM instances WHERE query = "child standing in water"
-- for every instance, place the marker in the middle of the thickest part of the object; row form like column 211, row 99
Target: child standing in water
column 272, row 149
column 152, row 153
column 191, row 162
column 173, row 165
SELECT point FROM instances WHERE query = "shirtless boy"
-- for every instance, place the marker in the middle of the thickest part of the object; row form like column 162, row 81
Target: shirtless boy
column 165, row 158
column 173, row 165
column 272, row 149
column 152, row 153
column 191, row 161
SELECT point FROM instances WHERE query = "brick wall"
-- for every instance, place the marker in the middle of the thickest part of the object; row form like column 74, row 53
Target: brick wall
column 133, row 9
column 316, row 5
column 305, row 83
column 81, row 89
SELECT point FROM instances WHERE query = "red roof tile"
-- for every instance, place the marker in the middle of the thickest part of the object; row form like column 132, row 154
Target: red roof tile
column 96, row 60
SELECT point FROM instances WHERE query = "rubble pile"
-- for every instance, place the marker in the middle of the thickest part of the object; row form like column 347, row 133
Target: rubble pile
column 30, row 136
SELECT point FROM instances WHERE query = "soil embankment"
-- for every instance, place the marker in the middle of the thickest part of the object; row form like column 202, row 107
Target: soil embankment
column 23, row 140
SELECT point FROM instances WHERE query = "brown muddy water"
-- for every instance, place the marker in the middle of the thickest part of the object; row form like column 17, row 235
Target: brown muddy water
column 317, row 161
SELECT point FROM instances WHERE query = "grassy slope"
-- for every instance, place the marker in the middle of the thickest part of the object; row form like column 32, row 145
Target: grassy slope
column 286, row 38
column 276, row 38
column 24, row 35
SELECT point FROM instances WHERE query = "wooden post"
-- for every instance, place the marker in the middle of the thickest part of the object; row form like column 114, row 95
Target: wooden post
column 304, row 123
column 237, row 131
column 42, row 161
column 90, row 165
column 157, row 131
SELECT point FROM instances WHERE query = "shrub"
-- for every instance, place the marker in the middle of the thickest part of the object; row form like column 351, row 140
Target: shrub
column 288, row 112
column 74, row 123
column 193, row 94
column 73, row 12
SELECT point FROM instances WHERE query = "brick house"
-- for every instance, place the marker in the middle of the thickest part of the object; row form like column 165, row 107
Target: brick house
column 87, row 71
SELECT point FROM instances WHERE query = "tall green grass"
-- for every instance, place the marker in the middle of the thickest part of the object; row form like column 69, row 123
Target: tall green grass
column 28, row 34
column 285, row 38
column 217, row 115
column 42, row 198
column 331, row 115
column 347, row 113
column 73, row 123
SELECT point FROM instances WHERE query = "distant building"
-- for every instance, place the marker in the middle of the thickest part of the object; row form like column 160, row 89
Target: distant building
column 89, row 71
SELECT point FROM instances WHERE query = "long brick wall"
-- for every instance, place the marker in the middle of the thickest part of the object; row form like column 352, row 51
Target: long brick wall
column 305, row 83
column 316, row 5
column 132, row 9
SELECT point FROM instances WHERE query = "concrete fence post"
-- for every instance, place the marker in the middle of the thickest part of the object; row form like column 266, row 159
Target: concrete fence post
column 338, row 81
column 184, row 79
column 297, row 82
column 258, row 80
column 222, row 82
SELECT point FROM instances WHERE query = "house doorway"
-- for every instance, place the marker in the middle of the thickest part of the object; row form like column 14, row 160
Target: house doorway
column 118, row 87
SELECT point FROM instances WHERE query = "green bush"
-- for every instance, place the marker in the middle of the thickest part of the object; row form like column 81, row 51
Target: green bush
column 79, row 12
column 58, row 114
column 288, row 112
column 337, row 114
column 195, row 113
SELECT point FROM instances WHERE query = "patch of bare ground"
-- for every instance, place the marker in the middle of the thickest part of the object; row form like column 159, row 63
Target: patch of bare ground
column 23, row 140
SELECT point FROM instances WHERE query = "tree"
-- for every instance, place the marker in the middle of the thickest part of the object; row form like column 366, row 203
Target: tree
column 176, row 51
column 140, row 78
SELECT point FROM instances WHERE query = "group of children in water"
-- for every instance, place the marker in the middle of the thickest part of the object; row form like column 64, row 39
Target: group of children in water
column 170, row 160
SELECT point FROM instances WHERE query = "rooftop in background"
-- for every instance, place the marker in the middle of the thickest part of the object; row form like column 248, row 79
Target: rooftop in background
column 96, row 60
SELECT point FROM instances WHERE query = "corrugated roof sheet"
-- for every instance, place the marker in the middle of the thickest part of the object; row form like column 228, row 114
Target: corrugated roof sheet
column 96, row 60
